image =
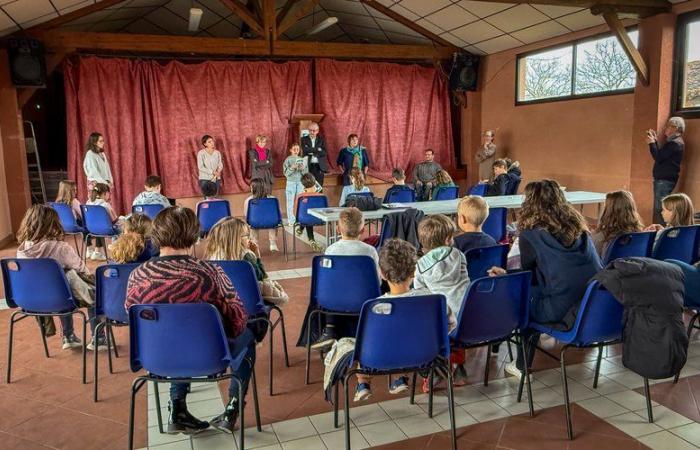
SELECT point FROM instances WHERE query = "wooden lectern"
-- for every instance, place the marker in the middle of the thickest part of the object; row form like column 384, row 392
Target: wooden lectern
column 302, row 122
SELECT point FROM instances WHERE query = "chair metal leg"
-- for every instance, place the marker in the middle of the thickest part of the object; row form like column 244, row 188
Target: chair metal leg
column 42, row 330
column 135, row 387
column 431, row 381
column 562, row 363
column 510, row 351
column 294, row 244
column 336, row 395
column 284, row 243
column 412, row 401
column 308, row 347
column 690, row 332
column 486, row 367
column 597, row 367
column 9, row 345
column 346, row 411
column 451, row 406
column 526, row 377
column 110, row 344
column 647, row 394
column 255, row 401
column 271, row 335
column 284, row 334
column 159, row 413
column 114, row 341
column 84, row 346
column 95, row 376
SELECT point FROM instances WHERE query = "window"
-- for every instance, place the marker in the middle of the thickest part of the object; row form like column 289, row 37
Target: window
column 687, row 65
column 580, row 69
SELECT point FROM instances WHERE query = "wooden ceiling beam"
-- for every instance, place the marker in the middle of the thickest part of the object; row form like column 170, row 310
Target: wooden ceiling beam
column 75, row 15
column 269, row 22
column 408, row 23
column 245, row 14
column 641, row 11
column 589, row 3
column 302, row 10
column 285, row 10
column 620, row 32
column 59, row 40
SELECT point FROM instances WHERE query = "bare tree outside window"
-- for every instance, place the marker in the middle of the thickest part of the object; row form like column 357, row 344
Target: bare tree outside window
column 602, row 66
column 547, row 75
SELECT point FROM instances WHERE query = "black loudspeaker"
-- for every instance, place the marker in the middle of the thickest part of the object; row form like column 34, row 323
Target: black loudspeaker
column 464, row 72
column 27, row 63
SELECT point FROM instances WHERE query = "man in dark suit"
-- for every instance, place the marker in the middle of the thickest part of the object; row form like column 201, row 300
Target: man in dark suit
column 313, row 147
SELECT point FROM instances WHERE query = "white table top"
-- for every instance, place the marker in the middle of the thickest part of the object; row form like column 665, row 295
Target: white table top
column 450, row 206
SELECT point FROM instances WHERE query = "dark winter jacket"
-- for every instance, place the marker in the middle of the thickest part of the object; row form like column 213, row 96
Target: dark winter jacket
column 514, row 177
column 655, row 343
column 403, row 225
column 364, row 202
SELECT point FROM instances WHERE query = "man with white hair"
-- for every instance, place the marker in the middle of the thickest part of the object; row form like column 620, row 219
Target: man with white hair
column 667, row 161
column 313, row 147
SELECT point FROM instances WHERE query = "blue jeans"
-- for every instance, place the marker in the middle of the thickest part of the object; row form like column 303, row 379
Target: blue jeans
column 423, row 191
column 202, row 183
column 178, row 391
column 662, row 188
column 293, row 189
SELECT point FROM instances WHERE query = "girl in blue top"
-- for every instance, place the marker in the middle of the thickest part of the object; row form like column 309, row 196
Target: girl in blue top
column 357, row 185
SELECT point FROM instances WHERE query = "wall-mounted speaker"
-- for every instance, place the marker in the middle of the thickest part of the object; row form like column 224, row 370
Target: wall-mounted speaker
column 27, row 63
column 464, row 72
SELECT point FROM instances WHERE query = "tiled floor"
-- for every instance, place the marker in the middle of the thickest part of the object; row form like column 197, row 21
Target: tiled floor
column 47, row 406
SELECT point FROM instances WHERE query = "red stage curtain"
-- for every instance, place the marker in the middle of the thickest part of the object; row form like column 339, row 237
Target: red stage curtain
column 397, row 110
column 153, row 116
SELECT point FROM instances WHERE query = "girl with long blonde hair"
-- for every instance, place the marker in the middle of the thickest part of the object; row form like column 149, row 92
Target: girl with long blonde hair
column 67, row 194
column 356, row 186
column 133, row 244
column 619, row 216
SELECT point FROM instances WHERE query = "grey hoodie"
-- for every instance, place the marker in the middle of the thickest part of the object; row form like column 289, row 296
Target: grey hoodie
column 443, row 270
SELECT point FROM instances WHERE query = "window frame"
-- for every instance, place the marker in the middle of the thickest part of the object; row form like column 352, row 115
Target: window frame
column 678, row 62
column 574, row 44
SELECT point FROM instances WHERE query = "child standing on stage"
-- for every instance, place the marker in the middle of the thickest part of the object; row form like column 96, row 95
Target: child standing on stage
column 294, row 168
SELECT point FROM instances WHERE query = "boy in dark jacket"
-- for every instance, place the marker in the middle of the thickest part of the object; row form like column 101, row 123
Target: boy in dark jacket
column 499, row 185
column 398, row 177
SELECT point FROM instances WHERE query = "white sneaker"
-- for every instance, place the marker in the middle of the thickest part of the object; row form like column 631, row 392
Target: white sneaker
column 547, row 342
column 88, row 253
column 512, row 369
column 273, row 246
column 98, row 256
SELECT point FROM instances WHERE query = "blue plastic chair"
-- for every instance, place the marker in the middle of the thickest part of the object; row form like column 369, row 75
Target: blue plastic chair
column 264, row 214
column 304, row 218
column 630, row 244
column 331, row 295
column 69, row 223
column 495, row 224
column 98, row 224
column 150, row 210
column 211, row 211
column 598, row 323
column 401, row 196
column 478, row 189
column 242, row 276
column 680, row 243
column 179, row 343
column 480, row 260
column 446, row 193
column 110, row 294
column 39, row 288
column 495, row 309
column 425, row 347
column 691, row 297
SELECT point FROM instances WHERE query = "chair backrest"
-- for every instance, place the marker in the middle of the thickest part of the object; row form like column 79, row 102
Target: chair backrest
column 211, row 211
column 630, row 244
column 493, row 307
column 178, row 340
column 385, row 234
column 307, row 203
column 97, row 221
column 419, row 322
column 599, row 318
column 401, row 196
column 242, row 276
column 480, row 260
column 65, row 215
column 513, row 188
column 679, row 243
column 36, row 285
column 110, row 291
column 151, row 210
column 446, row 193
column 343, row 283
column 495, row 224
column 478, row 189
column 264, row 213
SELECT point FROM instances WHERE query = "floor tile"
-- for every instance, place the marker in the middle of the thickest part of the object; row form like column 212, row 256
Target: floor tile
column 634, row 425
column 485, row 411
column 497, row 388
column 156, row 438
column 602, row 407
column 366, row 414
column 324, row 422
column 308, row 443
column 214, row 440
column 400, row 408
column 336, row 439
column 690, row 433
column 580, row 372
column 548, row 397
column 627, row 378
column 180, row 445
column 664, row 417
column 418, row 425
column 606, row 386
column 510, row 403
column 629, row 399
column 294, row 429
column 255, row 438
column 462, row 418
column 468, row 394
column 382, row 433
column 666, row 441
column 550, row 377
column 206, row 409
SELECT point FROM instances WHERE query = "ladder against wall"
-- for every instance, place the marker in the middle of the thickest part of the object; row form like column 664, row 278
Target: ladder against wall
column 36, row 180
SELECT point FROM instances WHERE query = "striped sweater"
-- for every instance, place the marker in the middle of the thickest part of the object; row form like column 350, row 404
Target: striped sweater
column 185, row 279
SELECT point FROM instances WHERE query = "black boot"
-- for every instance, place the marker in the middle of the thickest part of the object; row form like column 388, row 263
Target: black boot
column 181, row 421
column 226, row 421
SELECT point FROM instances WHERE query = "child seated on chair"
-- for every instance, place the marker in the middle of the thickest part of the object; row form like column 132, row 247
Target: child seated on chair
column 443, row 270
column 259, row 189
column 151, row 194
column 472, row 212
column 100, row 196
column 133, row 246
column 351, row 224
column 499, row 185
column 397, row 265
column 442, row 180
column 398, row 177
column 68, row 195
column 40, row 235
column 310, row 190
column 619, row 217
column 676, row 210
column 357, row 185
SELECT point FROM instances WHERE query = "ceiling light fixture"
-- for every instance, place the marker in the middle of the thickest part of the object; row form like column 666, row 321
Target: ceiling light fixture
column 195, row 18
column 322, row 25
